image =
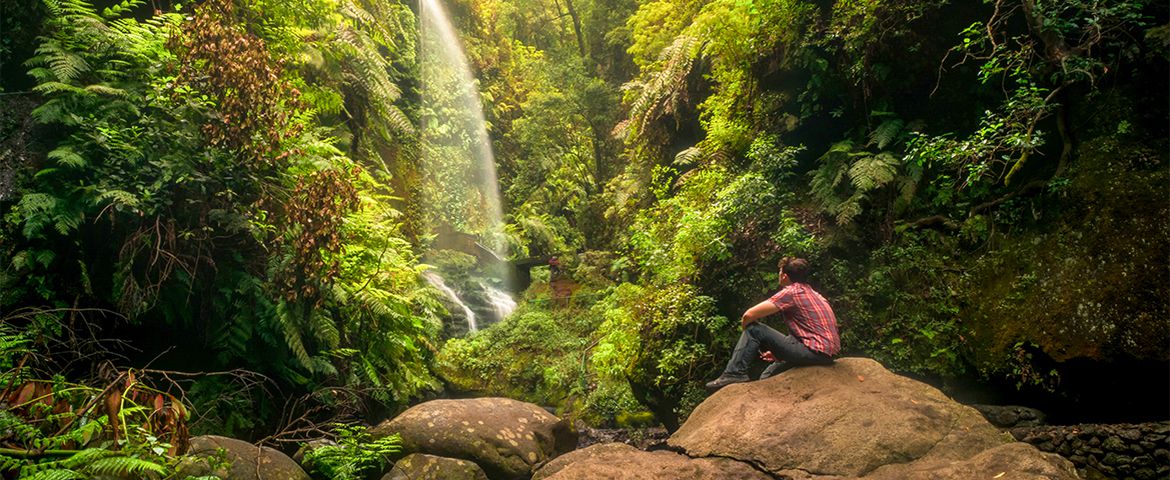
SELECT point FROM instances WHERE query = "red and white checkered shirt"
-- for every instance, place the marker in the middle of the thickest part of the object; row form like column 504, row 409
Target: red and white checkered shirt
column 809, row 317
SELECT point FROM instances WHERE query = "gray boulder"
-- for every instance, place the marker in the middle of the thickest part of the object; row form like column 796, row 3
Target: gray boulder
column 1010, row 416
column 855, row 419
column 618, row 460
column 238, row 460
column 420, row 466
column 509, row 439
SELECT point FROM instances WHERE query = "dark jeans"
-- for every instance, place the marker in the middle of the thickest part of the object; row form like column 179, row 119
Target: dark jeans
column 788, row 350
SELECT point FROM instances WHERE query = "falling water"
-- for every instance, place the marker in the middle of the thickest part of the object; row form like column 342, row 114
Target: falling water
column 438, row 283
column 457, row 154
column 502, row 303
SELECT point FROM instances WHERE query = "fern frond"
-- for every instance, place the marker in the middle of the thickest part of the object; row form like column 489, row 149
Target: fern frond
column 50, row 88
column 322, row 365
column 886, row 133
column 371, row 372
column 66, row 66
column 117, row 196
column 868, row 173
column 849, row 209
column 125, row 467
column 292, row 333
column 54, row 474
column 666, row 90
column 324, row 329
column 107, row 90
column 689, row 156
column 67, row 156
column 124, row 6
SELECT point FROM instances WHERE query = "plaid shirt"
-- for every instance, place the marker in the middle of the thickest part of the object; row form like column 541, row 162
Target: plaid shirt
column 809, row 317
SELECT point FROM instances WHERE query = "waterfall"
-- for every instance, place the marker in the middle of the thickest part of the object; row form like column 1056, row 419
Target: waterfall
column 457, row 157
column 502, row 303
column 460, row 192
column 438, row 283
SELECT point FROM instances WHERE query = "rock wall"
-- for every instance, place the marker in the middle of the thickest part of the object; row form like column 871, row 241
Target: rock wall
column 1107, row 451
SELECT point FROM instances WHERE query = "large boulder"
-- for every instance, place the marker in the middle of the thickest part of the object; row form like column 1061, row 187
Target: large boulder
column 509, row 439
column 238, row 460
column 420, row 466
column 855, row 419
column 618, row 460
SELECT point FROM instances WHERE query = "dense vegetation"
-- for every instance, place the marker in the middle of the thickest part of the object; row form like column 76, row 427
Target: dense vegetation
column 235, row 187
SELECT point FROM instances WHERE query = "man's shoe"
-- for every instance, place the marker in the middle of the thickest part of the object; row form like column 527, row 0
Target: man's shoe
column 725, row 380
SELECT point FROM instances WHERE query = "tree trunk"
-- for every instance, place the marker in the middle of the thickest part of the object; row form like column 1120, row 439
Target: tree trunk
column 576, row 27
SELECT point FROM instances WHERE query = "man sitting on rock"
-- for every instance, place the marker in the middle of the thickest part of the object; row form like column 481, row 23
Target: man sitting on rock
column 814, row 338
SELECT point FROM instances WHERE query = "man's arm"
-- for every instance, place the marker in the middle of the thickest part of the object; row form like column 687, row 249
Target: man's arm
column 757, row 312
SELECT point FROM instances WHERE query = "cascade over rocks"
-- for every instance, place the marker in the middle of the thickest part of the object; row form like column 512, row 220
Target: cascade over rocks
column 856, row 419
column 508, row 438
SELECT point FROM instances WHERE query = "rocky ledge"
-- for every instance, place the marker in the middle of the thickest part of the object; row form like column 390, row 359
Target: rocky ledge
column 852, row 419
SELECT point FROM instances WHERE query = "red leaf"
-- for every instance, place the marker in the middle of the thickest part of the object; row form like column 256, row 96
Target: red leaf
column 25, row 393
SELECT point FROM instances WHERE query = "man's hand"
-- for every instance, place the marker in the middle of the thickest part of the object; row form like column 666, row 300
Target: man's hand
column 767, row 356
column 757, row 312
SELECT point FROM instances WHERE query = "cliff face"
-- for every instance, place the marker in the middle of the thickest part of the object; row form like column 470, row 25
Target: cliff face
column 1074, row 306
column 1088, row 279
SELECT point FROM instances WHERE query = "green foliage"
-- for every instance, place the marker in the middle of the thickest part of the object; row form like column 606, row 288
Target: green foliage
column 535, row 355
column 196, row 181
column 58, row 429
column 354, row 456
column 848, row 177
column 662, row 341
column 904, row 310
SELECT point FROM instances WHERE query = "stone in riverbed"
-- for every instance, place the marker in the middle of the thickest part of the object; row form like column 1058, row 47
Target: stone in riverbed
column 244, row 460
column 420, row 466
column 509, row 439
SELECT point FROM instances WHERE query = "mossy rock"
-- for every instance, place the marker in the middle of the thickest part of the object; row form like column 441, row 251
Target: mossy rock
column 509, row 439
column 1092, row 282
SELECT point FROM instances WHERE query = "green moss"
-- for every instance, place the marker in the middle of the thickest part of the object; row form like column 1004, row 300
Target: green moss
column 1089, row 278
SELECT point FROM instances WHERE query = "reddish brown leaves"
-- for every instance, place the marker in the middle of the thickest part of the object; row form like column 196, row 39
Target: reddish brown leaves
column 314, row 217
column 219, row 57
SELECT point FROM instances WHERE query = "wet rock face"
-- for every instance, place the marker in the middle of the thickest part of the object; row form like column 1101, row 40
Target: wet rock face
column 418, row 466
column 239, row 460
column 855, row 419
column 1106, row 451
column 509, row 439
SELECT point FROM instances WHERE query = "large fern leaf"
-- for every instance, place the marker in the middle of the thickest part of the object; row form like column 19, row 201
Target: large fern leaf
column 868, row 173
column 54, row 474
column 886, row 133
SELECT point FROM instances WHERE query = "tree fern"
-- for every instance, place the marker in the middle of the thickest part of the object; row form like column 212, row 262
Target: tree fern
column 665, row 91
column 864, row 171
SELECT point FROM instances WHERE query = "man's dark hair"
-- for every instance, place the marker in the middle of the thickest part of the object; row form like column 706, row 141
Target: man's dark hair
column 795, row 268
